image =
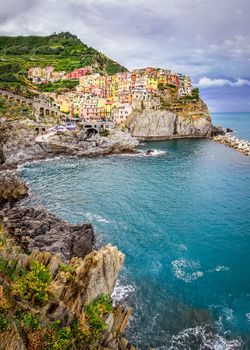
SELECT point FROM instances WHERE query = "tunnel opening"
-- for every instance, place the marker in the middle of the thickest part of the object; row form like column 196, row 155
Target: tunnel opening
column 91, row 132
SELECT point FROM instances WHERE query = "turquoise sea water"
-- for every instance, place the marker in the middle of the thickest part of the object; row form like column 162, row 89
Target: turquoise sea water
column 182, row 219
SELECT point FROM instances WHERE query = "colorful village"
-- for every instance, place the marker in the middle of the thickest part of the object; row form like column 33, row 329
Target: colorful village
column 99, row 97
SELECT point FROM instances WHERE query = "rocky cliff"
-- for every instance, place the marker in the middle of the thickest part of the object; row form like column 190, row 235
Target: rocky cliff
column 175, row 119
column 46, row 304
column 55, row 291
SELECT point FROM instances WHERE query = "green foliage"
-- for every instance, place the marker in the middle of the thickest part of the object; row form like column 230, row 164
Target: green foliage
column 171, row 86
column 57, row 337
column 95, row 325
column 69, row 270
column 29, row 321
column 66, row 268
column 2, row 263
column 105, row 133
column 59, row 85
column 96, row 310
column 33, row 284
column 165, row 104
column 196, row 93
column 194, row 97
column 4, row 323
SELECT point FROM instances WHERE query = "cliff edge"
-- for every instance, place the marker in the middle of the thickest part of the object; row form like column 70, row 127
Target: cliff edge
column 168, row 116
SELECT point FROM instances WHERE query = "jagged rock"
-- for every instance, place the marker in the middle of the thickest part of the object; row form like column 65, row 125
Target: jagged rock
column 12, row 188
column 90, row 277
column 11, row 340
column 36, row 228
column 217, row 130
column 93, row 276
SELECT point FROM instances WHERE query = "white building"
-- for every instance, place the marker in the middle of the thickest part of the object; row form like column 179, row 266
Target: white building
column 121, row 113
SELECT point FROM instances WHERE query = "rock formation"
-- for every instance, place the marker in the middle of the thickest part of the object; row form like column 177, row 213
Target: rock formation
column 36, row 228
column 55, row 292
column 12, row 188
column 72, row 300
column 190, row 119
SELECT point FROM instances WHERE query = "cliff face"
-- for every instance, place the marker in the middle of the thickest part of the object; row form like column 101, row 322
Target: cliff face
column 190, row 119
column 46, row 304
column 55, row 291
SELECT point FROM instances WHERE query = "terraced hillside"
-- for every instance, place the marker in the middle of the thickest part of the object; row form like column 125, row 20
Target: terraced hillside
column 64, row 51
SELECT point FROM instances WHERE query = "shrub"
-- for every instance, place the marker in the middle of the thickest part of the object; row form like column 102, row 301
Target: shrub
column 33, row 284
column 4, row 323
column 92, row 328
column 96, row 311
column 27, row 321
column 57, row 337
column 66, row 268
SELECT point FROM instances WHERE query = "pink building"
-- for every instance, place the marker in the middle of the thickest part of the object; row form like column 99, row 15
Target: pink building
column 77, row 73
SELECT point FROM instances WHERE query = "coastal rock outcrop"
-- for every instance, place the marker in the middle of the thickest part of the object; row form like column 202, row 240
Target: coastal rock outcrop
column 186, row 120
column 77, row 300
column 21, row 143
column 76, row 144
column 12, row 188
column 36, row 228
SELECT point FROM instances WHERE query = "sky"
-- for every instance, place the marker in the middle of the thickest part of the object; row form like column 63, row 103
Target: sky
column 206, row 39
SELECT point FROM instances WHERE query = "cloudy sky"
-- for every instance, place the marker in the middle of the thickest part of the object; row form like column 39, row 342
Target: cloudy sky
column 207, row 39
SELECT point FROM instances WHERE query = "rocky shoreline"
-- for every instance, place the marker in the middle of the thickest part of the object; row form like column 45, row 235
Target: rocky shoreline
column 229, row 140
column 33, row 234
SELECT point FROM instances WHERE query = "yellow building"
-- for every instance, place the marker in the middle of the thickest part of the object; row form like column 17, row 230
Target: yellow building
column 152, row 82
column 66, row 106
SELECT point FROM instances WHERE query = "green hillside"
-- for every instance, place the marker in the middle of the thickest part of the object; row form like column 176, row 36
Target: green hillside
column 64, row 51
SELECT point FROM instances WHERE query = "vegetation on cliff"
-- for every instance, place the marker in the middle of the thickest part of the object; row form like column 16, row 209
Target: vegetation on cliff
column 29, row 297
column 64, row 51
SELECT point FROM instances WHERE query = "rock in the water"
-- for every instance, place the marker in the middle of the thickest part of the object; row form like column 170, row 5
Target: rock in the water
column 149, row 152
column 217, row 130
column 36, row 228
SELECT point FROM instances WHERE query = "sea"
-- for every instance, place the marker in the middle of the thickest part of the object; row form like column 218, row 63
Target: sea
column 182, row 218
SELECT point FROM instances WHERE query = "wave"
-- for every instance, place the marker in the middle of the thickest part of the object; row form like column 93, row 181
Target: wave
column 99, row 218
column 121, row 291
column 220, row 268
column 154, row 153
column 202, row 338
column 186, row 270
column 143, row 153
column 248, row 316
column 25, row 164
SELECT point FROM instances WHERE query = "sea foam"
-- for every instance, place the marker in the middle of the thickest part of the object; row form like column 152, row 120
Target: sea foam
column 186, row 270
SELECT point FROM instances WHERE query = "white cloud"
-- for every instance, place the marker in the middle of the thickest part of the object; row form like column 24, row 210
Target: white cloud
column 207, row 82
